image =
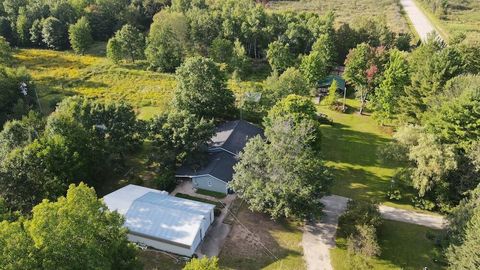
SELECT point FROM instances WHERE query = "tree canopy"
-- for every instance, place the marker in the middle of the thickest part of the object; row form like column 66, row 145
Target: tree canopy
column 45, row 241
column 202, row 90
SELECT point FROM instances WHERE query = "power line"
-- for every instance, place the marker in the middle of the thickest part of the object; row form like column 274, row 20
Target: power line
column 269, row 252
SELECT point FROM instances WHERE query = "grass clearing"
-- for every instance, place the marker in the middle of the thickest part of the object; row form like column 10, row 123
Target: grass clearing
column 403, row 246
column 61, row 74
column 350, row 148
column 347, row 11
column 244, row 247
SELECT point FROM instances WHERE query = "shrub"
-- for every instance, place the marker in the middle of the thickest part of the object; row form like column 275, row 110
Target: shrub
column 364, row 241
column 166, row 180
column 359, row 213
column 204, row 263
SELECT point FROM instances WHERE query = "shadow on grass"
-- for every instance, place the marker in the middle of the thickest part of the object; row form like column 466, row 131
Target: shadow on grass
column 409, row 246
column 342, row 144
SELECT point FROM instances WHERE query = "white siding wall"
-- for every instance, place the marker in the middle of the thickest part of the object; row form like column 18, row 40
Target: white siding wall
column 167, row 247
column 209, row 183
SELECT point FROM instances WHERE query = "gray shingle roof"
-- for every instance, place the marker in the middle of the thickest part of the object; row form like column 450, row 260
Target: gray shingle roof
column 219, row 165
column 233, row 136
column 229, row 140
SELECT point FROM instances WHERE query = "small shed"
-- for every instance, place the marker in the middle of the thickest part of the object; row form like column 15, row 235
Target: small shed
column 327, row 82
column 156, row 219
column 324, row 85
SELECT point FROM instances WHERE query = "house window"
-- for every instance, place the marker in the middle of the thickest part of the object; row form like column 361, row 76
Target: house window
column 209, row 183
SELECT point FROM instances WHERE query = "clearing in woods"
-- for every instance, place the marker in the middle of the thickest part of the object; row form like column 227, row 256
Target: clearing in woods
column 347, row 11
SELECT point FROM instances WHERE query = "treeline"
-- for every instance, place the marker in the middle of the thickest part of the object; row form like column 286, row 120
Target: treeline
column 45, row 23
column 165, row 32
column 235, row 32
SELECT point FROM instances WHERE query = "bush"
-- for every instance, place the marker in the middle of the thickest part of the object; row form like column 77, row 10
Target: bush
column 364, row 241
column 166, row 180
column 204, row 263
column 359, row 213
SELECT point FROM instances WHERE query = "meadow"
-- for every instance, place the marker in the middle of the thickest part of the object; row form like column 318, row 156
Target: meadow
column 348, row 11
column 60, row 74
column 462, row 17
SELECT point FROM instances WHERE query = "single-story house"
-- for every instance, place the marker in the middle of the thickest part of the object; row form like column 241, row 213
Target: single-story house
column 156, row 219
column 229, row 140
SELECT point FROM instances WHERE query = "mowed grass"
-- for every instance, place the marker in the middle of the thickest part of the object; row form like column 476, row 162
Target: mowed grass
column 403, row 246
column 348, row 11
column 60, row 74
column 257, row 242
column 350, row 148
column 463, row 16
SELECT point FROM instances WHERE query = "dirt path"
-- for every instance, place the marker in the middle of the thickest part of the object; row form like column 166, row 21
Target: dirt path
column 422, row 24
column 319, row 236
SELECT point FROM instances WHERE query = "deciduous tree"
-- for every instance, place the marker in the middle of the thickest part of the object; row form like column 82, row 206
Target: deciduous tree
column 54, row 34
column 279, row 56
column 80, row 35
column 202, row 90
column 289, row 82
column 387, row 96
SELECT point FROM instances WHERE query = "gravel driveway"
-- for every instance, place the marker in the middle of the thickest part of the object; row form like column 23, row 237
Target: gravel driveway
column 421, row 23
column 432, row 221
column 319, row 236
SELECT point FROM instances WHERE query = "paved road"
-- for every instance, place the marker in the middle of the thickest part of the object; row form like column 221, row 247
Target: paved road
column 421, row 23
column 319, row 237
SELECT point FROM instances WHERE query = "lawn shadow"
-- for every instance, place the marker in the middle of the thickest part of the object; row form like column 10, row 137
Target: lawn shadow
column 409, row 246
column 341, row 144
column 255, row 243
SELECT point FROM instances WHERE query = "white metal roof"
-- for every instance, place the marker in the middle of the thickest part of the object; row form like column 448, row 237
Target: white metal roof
column 121, row 200
column 156, row 214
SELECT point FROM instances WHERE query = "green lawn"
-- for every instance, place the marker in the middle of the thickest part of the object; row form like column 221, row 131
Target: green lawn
column 347, row 11
column 403, row 246
column 198, row 199
column 211, row 193
column 350, row 149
